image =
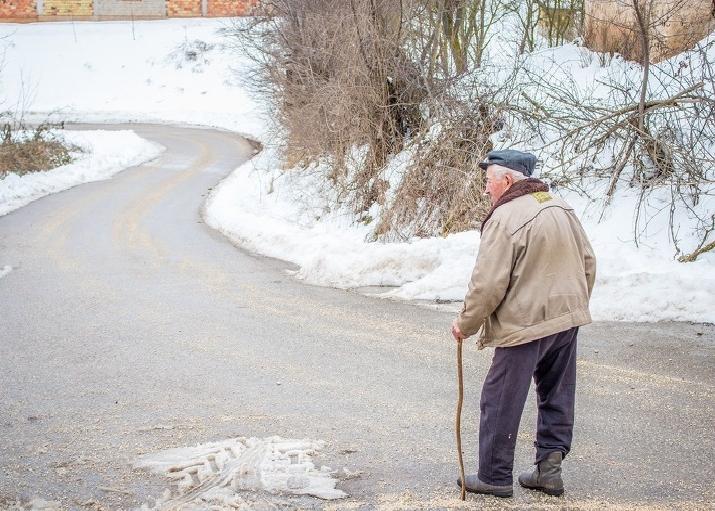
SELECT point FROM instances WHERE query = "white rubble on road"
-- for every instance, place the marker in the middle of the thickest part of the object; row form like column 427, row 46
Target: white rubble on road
column 4, row 270
column 226, row 474
column 104, row 153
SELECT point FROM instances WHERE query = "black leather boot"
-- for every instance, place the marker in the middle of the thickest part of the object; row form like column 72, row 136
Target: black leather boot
column 475, row 485
column 546, row 476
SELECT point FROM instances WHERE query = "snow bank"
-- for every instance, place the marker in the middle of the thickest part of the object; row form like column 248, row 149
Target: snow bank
column 105, row 154
column 284, row 215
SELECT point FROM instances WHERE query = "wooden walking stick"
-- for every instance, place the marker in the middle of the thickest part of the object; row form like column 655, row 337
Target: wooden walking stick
column 458, row 421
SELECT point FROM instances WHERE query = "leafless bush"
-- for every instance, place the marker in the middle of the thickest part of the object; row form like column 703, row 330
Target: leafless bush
column 442, row 190
column 561, row 20
column 449, row 37
column 24, row 149
column 556, row 21
column 375, row 74
column 192, row 54
column 340, row 78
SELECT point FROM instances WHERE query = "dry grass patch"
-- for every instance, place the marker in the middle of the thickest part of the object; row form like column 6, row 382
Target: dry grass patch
column 24, row 150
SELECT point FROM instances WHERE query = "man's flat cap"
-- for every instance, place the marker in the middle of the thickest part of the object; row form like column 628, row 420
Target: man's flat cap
column 511, row 159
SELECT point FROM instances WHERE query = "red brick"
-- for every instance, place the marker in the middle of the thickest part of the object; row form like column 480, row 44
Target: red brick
column 230, row 7
column 18, row 9
column 183, row 8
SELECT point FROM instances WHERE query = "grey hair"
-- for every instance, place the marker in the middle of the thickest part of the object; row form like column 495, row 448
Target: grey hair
column 500, row 172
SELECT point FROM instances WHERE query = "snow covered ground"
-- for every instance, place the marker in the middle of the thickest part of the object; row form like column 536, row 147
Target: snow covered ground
column 168, row 71
column 104, row 153
column 111, row 71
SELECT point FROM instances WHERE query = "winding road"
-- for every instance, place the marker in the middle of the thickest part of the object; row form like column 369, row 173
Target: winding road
column 128, row 326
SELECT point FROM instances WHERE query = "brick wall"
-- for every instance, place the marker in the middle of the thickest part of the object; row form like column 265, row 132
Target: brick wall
column 183, row 8
column 18, row 9
column 67, row 8
column 230, row 7
column 27, row 10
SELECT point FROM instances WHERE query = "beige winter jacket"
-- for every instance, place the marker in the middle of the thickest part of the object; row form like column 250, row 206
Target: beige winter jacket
column 533, row 276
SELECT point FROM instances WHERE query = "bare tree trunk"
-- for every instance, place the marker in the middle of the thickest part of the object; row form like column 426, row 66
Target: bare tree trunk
column 642, row 8
column 528, row 35
column 482, row 33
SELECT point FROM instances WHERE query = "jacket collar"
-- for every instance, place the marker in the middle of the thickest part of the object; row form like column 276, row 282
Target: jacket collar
column 523, row 187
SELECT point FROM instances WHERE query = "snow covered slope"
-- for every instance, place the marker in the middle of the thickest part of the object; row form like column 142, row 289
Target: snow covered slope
column 110, row 71
column 175, row 70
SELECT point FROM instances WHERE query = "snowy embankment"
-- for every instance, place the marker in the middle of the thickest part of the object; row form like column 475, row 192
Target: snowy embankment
column 104, row 153
column 281, row 214
column 287, row 214
column 182, row 71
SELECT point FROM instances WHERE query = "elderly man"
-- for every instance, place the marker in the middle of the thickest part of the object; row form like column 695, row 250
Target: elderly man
column 528, row 295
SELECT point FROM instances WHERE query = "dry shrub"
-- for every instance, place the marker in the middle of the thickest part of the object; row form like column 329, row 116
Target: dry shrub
column 610, row 38
column 443, row 189
column 650, row 132
column 339, row 79
column 23, row 150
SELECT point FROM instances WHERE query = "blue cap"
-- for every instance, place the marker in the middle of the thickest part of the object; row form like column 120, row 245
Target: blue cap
column 511, row 159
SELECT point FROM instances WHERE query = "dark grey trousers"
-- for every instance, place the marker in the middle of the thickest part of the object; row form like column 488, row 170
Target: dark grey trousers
column 552, row 363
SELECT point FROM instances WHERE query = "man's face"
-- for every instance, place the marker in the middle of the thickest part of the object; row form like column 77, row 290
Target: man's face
column 496, row 186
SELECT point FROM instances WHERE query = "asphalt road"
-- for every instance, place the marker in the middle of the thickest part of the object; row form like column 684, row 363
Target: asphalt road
column 128, row 326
